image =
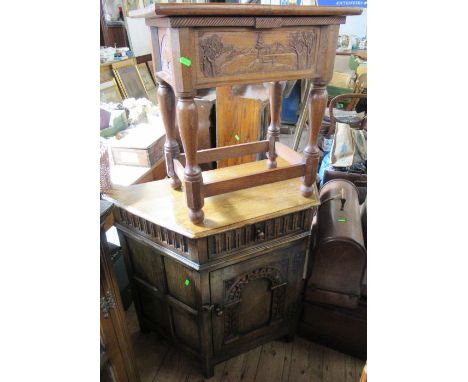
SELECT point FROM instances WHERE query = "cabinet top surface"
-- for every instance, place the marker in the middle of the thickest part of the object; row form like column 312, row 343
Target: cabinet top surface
column 223, row 9
column 158, row 203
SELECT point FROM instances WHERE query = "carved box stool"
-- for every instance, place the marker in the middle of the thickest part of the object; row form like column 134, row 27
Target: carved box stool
column 223, row 287
column 197, row 46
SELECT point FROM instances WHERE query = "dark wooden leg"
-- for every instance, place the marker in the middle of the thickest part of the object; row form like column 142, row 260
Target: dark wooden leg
column 171, row 147
column 274, row 128
column 193, row 180
column 317, row 104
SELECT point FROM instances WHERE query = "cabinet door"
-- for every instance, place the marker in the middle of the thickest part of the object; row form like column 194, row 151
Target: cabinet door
column 256, row 298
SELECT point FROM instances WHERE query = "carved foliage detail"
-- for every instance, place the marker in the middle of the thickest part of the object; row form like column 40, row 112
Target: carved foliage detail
column 221, row 58
column 302, row 43
column 211, row 49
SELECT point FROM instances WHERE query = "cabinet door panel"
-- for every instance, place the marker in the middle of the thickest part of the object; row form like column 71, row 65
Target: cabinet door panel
column 255, row 298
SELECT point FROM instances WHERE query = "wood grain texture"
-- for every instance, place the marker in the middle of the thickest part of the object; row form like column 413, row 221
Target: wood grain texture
column 222, row 9
column 239, row 116
column 221, row 153
column 151, row 353
column 160, row 204
column 270, row 366
column 166, row 101
column 275, row 122
column 253, row 180
column 317, row 104
column 334, row 367
column 243, row 21
column 187, row 117
column 285, row 152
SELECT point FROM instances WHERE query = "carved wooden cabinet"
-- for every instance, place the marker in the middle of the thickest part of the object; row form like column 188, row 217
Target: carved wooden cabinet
column 225, row 286
column 198, row 46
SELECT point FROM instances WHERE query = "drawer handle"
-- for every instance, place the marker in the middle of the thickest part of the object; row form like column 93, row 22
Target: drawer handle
column 219, row 310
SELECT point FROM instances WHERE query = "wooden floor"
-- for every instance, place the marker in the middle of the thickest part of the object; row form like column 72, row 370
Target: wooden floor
column 301, row 360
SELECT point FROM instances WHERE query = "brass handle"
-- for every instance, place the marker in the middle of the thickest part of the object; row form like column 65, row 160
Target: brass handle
column 260, row 234
column 218, row 310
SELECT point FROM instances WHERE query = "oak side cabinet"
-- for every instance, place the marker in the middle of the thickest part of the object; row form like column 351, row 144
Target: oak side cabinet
column 219, row 288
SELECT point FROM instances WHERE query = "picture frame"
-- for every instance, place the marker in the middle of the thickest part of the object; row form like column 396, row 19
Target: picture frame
column 129, row 79
column 151, row 69
column 146, row 76
column 110, row 92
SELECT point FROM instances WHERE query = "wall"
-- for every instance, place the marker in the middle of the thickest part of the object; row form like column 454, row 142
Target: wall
column 355, row 25
column 139, row 36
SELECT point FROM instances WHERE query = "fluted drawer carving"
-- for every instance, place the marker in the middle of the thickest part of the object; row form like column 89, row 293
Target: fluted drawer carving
column 226, row 242
column 155, row 232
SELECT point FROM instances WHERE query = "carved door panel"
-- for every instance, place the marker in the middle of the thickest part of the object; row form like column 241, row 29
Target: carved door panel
column 256, row 298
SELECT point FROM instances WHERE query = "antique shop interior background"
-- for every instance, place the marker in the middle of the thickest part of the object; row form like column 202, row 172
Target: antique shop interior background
column 292, row 271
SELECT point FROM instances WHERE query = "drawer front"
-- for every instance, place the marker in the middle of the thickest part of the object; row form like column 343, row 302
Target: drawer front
column 223, row 243
column 256, row 298
column 246, row 54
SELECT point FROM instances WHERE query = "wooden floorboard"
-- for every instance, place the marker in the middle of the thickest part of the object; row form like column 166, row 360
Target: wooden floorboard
column 288, row 350
column 276, row 361
column 252, row 358
column 270, row 366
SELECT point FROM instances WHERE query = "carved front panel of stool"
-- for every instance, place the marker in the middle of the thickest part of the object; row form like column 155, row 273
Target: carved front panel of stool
column 246, row 54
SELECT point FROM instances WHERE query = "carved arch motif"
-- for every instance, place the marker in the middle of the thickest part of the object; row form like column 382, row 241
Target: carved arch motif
column 276, row 274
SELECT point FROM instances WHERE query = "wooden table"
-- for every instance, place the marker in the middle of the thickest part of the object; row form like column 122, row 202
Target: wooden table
column 197, row 46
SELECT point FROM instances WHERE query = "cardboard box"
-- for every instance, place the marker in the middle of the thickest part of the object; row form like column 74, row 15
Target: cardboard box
column 141, row 146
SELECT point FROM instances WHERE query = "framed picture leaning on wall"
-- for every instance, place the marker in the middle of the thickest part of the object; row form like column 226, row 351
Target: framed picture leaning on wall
column 129, row 79
column 110, row 92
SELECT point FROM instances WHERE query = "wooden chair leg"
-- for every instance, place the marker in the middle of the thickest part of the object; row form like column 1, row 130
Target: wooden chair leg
column 273, row 134
column 317, row 104
column 171, row 147
column 193, row 181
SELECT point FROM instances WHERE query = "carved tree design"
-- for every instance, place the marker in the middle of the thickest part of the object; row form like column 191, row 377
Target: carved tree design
column 211, row 49
column 302, row 44
column 259, row 45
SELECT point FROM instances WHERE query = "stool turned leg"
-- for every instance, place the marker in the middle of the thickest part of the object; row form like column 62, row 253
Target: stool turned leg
column 274, row 128
column 193, row 180
column 317, row 104
column 171, row 147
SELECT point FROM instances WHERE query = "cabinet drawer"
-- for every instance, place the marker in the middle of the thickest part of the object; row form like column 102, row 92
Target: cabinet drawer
column 257, row 297
column 223, row 243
